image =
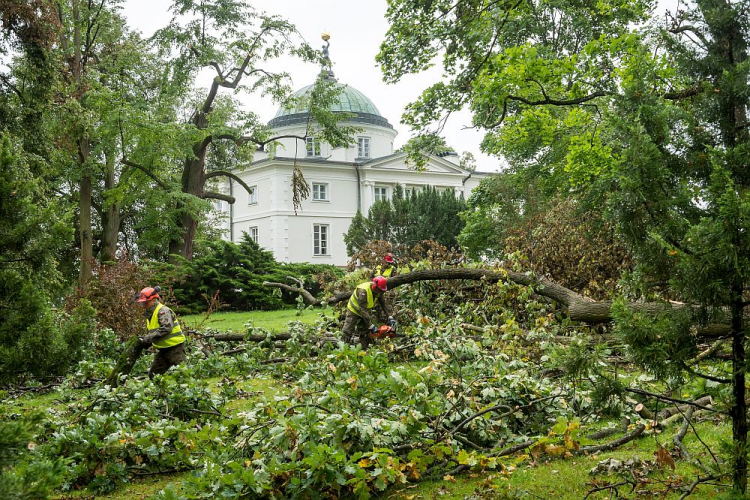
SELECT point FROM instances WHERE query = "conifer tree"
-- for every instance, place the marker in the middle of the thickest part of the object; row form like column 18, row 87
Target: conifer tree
column 424, row 215
column 33, row 230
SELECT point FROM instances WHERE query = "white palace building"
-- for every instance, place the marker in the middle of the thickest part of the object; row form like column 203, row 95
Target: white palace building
column 342, row 181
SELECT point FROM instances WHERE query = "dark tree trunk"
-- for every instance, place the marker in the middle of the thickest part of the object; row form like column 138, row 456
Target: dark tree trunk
column 110, row 216
column 192, row 183
column 84, row 222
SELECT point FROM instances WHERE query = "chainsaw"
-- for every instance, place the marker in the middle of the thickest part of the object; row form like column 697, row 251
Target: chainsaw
column 386, row 332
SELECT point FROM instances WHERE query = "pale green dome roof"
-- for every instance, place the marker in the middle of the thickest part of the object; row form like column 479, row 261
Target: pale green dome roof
column 349, row 100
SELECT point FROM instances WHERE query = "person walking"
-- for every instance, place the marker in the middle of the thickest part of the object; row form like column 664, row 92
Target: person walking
column 358, row 324
column 164, row 331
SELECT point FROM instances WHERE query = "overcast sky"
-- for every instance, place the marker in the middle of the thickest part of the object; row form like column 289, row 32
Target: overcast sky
column 357, row 28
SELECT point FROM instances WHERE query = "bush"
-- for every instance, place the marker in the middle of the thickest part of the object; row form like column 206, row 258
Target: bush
column 237, row 273
column 23, row 473
column 110, row 291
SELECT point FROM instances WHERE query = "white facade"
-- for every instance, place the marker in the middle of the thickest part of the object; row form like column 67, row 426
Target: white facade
column 342, row 181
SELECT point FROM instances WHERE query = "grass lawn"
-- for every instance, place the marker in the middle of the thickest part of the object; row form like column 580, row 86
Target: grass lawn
column 274, row 321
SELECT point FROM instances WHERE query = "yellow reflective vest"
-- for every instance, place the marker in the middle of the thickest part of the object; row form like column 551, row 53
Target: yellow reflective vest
column 353, row 305
column 385, row 273
column 174, row 338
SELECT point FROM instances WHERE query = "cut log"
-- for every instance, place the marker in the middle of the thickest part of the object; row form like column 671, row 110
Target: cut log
column 124, row 365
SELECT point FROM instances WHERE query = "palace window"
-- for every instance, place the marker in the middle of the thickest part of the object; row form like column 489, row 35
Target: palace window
column 363, row 147
column 381, row 193
column 320, row 239
column 313, row 146
column 320, row 191
column 254, row 233
column 252, row 195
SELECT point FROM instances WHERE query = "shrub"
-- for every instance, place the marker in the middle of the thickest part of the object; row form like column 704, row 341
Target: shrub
column 237, row 273
column 23, row 472
column 111, row 290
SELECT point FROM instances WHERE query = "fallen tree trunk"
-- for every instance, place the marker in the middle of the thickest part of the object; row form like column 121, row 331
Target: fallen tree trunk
column 577, row 306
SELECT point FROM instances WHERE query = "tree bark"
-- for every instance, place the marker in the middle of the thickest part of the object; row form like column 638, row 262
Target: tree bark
column 84, row 220
column 110, row 214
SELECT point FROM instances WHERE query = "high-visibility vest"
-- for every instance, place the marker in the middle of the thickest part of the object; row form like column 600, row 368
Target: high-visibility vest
column 386, row 273
column 174, row 338
column 353, row 305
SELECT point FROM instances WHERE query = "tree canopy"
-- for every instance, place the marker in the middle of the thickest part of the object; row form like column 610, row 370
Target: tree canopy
column 639, row 115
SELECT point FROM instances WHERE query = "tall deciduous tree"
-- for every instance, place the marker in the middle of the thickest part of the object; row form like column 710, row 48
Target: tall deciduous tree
column 233, row 40
column 644, row 115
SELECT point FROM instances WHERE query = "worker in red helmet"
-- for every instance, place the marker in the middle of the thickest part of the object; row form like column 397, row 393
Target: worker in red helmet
column 358, row 325
column 388, row 268
column 164, row 331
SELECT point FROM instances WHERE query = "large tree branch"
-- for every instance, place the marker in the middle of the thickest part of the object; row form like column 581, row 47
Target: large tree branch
column 683, row 94
column 309, row 299
column 545, row 101
column 225, row 173
column 560, row 102
column 212, row 195
column 146, row 171
column 12, row 87
column 692, row 29
column 244, row 139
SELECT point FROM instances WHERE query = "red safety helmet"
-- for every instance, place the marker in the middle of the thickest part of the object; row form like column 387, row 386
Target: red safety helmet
column 389, row 258
column 147, row 294
column 380, row 283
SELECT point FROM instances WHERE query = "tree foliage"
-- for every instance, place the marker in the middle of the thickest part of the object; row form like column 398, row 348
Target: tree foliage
column 643, row 117
column 33, row 230
column 553, row 237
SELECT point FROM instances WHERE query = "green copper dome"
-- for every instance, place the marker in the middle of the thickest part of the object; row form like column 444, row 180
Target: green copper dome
column 349, row 100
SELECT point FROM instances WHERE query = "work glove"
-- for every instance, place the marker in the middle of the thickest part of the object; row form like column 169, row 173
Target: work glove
column 392, row 322
column 144, row 341
column 373, row 329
